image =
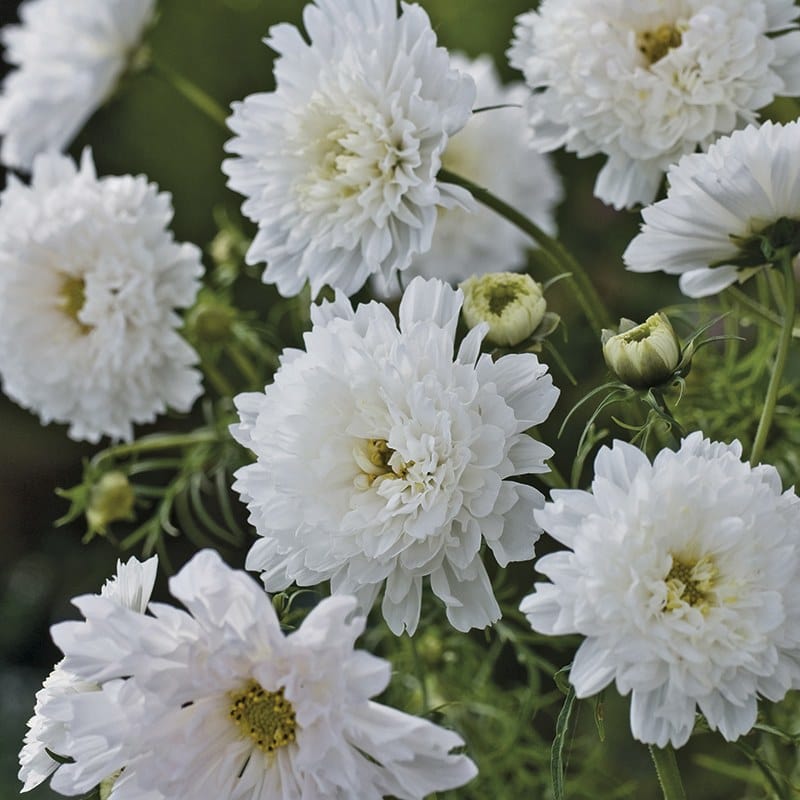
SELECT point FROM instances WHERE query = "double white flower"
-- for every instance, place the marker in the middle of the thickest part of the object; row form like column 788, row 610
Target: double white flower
column 219, row 703
column 383, row 456
column 647, row 81
column 684, row 577
column 68, row 57
column 339, row 163
column 90, row 280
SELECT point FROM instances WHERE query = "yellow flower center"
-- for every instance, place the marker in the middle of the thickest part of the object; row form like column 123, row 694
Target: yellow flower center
column 654, row 45
column 690, row 582
column 374, row 459
column 266, row 717
column 72, row 298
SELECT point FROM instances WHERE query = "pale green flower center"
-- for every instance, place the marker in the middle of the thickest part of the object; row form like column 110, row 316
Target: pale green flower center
column 266, row 717
column 691, row 582
column 654, row 45
column 72, row 298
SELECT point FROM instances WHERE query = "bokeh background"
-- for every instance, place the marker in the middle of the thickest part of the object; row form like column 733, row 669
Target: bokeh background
column 149, row 128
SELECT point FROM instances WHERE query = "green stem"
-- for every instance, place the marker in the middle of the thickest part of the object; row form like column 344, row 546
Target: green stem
column 193, row 93
column 660, row 403
column 669, row 777
column 149, row 444
column 558, row 257
column 419, row 669
column 244, row 365
column 222, row 385
column 761, row 312
column 784, row 342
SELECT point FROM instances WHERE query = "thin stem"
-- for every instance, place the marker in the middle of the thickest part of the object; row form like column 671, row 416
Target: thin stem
column 193, row 93
column 762, row 312
column 784, row 342
column 215, row 377
column 669, row 777
column 149, row 444
column 559, row 257
column 244, row 365
column 419, row 669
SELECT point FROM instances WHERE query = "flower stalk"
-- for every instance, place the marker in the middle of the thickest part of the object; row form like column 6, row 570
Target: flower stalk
column 558, row 257
column 200, row 99
column 784, row 259
column 669, row 776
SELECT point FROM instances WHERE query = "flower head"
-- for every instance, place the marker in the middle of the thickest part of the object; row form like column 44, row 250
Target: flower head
column 512, row 305
column 90, row 278
column 49, row 727
column 339, row 163
column 385, row 457
column 642, row 355
column 68, row 58
column 722, row 208
column 647, row 81
column 236, row 709
column 490, row 150
column 684, row 576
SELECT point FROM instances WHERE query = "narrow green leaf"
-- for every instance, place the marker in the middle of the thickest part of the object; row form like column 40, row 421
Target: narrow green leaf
column 559, row 742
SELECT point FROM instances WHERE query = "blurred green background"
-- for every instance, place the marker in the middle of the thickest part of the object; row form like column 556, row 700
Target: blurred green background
column 149, row 128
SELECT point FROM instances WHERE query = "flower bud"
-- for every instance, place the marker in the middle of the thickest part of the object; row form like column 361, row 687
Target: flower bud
column 642, row 355
column 111, row 499
column 210, row 322
column 512, row 304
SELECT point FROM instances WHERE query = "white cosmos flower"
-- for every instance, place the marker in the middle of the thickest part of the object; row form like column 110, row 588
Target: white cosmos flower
column 490, row 150
column 717, row 204
column 90, row 278
column 384, row 456
column 68, row 57
column 339, row 163
column 49, row 727
column 684, row 576
column 237, row 710
column 647, row 81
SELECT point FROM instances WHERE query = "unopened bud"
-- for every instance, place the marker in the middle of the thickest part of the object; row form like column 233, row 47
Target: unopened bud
column 111, row 499
column 512, row 304
column 642, row 355
column 210, row 322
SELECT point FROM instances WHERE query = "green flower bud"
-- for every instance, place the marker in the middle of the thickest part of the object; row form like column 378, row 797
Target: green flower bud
column 512, row 304
column 642, row 355
column 210, row 322
column 111, row 499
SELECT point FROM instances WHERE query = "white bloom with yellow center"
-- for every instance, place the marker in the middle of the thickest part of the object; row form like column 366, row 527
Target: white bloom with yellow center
column 647, row 81
column 684, row 576
column 49, row 728
column 68, row 57
column 235, row 709
column 383, row 456
column 490, row 150
column 90, row 280
column 339, row 163
column 718, row 207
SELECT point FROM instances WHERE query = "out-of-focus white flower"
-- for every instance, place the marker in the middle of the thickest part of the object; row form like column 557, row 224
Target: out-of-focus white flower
column 647, row 81
column 49, row 727
column 339, row 163
column 90, row 278
column 684, row 576
column 68, row 58
column 384, row 457
column 720, row 206
column 490, row 150
column 236, row 709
